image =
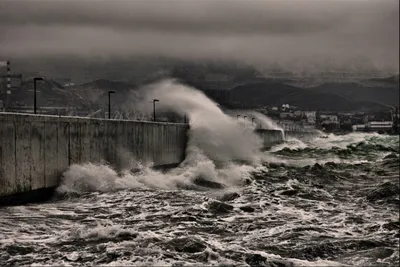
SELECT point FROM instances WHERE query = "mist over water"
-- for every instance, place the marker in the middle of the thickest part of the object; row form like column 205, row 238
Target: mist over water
column 327, row 202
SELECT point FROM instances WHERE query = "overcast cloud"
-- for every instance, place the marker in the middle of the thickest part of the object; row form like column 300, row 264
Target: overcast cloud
column 255, row 31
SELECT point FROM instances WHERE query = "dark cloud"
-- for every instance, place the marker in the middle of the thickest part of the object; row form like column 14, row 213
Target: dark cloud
column 207, row 17
column 251, row 30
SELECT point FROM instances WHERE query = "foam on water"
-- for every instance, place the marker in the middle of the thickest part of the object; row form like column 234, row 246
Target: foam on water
column 215, row 139
column 341, row 141
column 337, row 214
column 80, row 178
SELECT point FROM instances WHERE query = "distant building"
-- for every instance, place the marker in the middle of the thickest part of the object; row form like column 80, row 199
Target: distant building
column 379, row 124
column 309, row 126
column 8, row 77
column 345, row 121
column 311, row 116
column 285, row 115
column 374, row 126
column 359, row 127
column 329, row 119
column 69, row 84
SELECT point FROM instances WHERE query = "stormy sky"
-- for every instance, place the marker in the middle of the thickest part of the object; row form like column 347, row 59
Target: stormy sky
column 289, row 32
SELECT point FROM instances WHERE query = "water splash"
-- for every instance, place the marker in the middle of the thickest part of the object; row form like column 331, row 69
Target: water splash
column 331, row 215
column 220, row 151
column 255, row 120
column 215, row 133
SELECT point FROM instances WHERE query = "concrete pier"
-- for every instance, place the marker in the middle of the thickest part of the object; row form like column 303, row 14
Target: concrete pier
column 273, row 137
column 35, row 150
column 304, row 136
column 270, row 137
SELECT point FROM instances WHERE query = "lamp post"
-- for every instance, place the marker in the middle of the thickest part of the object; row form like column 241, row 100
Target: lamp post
column 154, row 108
column 244, row 120
column 109, row 102
column 252, row 121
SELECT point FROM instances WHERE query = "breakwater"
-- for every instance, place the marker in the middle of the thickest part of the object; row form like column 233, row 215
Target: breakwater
column 273, row 137
column 300, row 135
column 35, row 150
column 270, row 137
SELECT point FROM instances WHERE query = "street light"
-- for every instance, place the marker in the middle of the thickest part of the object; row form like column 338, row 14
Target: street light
column 34, row 92
column 252, row 121
column 109, row 102
column 154, row 108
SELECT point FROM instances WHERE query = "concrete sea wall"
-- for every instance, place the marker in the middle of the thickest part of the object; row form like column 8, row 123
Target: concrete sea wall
column 300, row 135
column 270, row 137
column 36, row 150
column 273, row 137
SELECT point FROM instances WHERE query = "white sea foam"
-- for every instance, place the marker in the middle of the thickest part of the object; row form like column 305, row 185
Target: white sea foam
column 216, row 142
column 135, row 227
column 215, row 133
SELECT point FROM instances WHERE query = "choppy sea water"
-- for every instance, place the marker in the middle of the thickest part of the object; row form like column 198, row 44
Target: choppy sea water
column 330, row 202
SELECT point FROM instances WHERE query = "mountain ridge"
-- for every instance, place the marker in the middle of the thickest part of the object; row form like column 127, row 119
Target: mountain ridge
column 247, row 89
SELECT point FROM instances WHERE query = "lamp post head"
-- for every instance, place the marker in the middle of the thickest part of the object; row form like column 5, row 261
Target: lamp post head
column 245, row 117
column 111, row 92
column 38, row 79
column 156, row 100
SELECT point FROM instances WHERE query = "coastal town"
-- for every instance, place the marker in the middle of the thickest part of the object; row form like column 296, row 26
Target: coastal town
column 292, row 117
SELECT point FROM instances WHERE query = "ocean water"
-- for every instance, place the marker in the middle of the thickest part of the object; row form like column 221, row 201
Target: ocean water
column 327, row 202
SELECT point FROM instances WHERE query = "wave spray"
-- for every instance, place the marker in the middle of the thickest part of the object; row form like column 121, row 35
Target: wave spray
column 220, row 149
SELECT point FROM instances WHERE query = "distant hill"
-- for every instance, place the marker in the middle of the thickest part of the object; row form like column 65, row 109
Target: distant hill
column 392, row 80
column 94, row 94
column 382, row 91
column 88, row 95
column 273, row 93
column 49, row 93
column 248, row 87
column 240, row 86
column 218, row 76
column 98, row 89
